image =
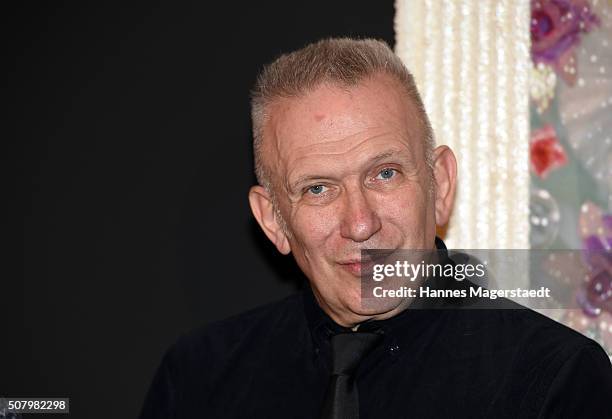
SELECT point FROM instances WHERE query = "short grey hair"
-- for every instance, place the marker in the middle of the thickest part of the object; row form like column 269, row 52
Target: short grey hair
column 342, row 61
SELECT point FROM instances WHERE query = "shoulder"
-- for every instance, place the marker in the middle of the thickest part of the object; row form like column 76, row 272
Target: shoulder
column 504, row 323
column 537, row 346
column 530, row 361
column 243, row 332
column 538, row 330
column 545, row 341
column 201, row 359
column 514, row 333
column 519, row 327
column 561, row 363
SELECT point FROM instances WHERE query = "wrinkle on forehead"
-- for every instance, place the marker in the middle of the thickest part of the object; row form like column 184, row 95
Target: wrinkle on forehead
column 345, row 144
column 334, row 120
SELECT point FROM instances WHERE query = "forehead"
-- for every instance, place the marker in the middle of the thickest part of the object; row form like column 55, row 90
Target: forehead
column 333, row 119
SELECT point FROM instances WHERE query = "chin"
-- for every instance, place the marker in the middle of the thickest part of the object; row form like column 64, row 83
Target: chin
column 375, row 306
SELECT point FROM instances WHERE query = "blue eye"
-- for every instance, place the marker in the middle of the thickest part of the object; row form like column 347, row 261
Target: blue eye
column 386, row 174
column 316, row 189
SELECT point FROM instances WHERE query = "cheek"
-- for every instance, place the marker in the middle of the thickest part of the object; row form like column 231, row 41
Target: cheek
column 406, row 210
column 312, row 225
column 410, row 199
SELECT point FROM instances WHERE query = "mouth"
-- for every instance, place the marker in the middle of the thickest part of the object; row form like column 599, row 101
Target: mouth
column 362, row 266
column 354, row 268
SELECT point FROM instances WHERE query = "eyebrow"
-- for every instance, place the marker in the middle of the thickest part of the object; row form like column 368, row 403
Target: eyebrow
column 305, row 178
column 384, row 155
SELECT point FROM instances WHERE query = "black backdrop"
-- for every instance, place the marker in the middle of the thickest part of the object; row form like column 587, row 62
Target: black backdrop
column 127, row 169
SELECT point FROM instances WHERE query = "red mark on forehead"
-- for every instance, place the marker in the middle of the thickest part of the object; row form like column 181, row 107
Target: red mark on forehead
column 319, row 117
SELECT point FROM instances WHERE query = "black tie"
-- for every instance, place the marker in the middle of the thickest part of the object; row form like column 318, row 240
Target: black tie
column 342, row 399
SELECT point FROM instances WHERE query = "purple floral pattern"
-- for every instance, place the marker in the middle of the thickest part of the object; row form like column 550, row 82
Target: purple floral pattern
column 556, row 28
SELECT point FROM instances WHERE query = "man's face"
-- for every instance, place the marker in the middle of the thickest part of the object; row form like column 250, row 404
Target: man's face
column 349, row 174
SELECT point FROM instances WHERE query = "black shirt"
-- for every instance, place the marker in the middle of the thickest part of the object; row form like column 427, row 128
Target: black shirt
column 274, row 361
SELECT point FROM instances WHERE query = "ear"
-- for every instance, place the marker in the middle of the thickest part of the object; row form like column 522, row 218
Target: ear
column 445, row 177
column 263, row 210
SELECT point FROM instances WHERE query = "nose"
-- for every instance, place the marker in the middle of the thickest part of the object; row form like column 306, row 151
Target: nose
column 359, row 218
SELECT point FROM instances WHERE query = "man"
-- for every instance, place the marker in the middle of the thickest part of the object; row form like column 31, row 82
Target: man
column 345, row 161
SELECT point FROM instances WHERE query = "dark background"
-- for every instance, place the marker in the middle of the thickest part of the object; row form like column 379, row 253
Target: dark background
column 127, row 168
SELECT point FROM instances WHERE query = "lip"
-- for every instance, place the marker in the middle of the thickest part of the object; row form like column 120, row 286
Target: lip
column 354, row 268
column 359, row 267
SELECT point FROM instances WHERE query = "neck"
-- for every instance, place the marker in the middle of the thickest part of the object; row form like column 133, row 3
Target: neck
column 351, row 319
